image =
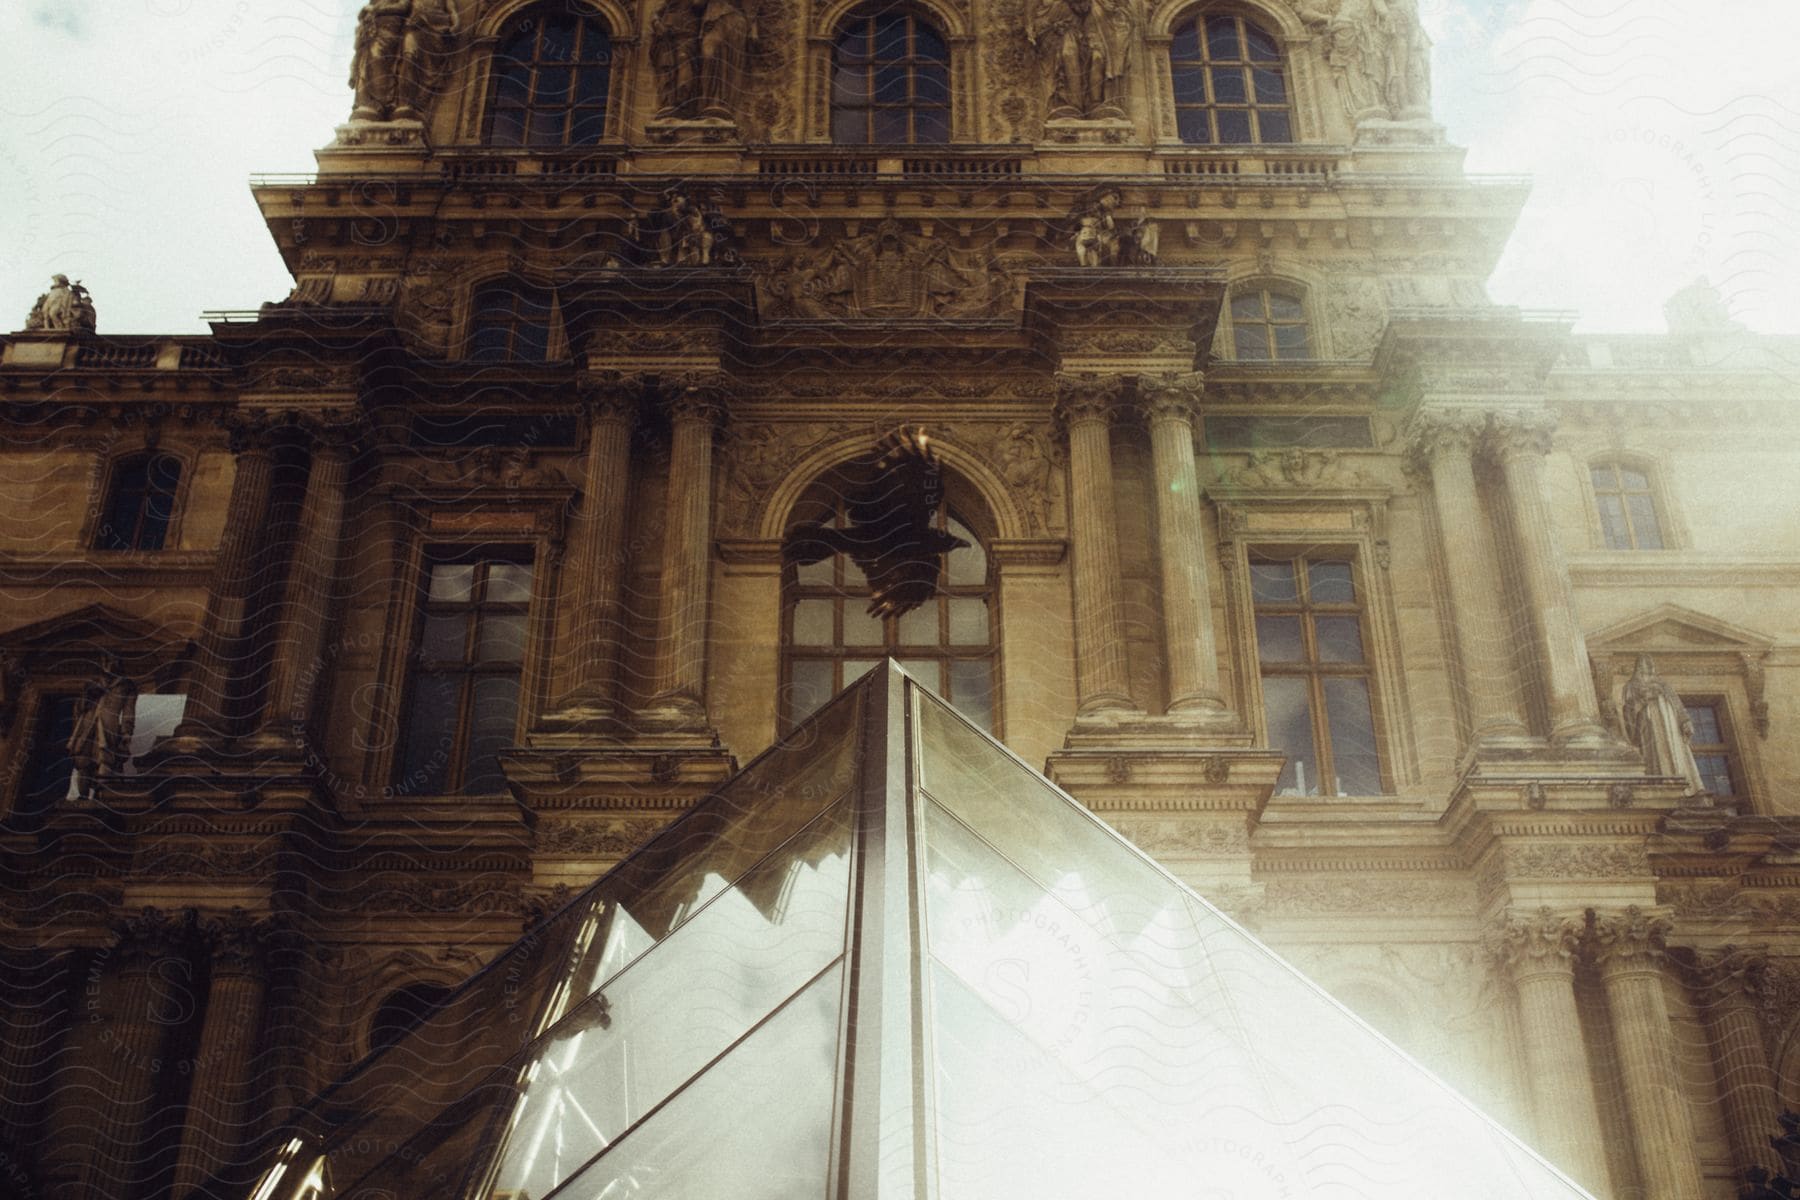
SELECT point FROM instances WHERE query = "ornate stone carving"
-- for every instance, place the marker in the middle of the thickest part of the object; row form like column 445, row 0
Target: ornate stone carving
column 586, row 839
column 609, row 395
column 1364, row 895
column 1291, row 468
column 1521, row 431
column 1085, row 49
column 1620, row 795
column 701, row 55
column 1083, row 398
column 1380, row 54
column 1435, row 431
column 1027, row 463
column 65, row 308
column 1545, row 939
column 152, row 933
column 1536, row 798
column 696, row 396
column 100, row 741
column 1657, row 723
column 888, row 273
column 1355, row 313
column 403, row 51
column 1175, row 396
column 1577, row 861
column 1630, row 939
column 237, row 939
column 1100, row 242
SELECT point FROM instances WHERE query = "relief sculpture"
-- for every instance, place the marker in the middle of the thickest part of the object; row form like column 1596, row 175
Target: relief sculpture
column 888, row 273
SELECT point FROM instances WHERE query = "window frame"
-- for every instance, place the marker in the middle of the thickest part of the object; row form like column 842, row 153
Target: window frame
column 1203, row 65
column 556, row 348
column 1671, row 534
column 106, row 485
column 911, row 62
column 490, row 93
column 1728, row 746
column 837, row 652
column 1265, row 289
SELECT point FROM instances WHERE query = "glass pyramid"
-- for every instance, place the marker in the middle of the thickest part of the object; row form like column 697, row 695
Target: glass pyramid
column 888, row 959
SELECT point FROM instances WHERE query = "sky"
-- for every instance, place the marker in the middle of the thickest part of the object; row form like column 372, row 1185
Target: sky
column 1662, row 136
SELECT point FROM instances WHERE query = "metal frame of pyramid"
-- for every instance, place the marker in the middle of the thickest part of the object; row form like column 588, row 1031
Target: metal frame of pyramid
column 889, row 959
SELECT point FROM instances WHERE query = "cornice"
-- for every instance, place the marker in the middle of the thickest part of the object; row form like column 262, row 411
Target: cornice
column 49, row 568
column 1679, row 568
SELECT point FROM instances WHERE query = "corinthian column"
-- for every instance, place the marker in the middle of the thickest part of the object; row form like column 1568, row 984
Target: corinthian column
column 208, row 712
column 596, row 567
column 1084, row 403
column 1443, row 442
column 1521, row 440
column 306, row 604
column 1538, row 952
column 1628, row 946
column 1171, row 405
column 1726, row 979
column 217, row 1118
column 678, row 698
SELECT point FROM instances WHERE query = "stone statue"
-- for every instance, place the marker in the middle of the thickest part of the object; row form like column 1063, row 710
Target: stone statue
column 1026, row 462
column 65, row 308
column 1084, row 48
column 1380, row 53
column 431, row 32
column 1657, row 723
column 100, row 742
column 1698, row 308
column 687, row 233
column 375, row 67
column 701, row 52
column 1099, row 242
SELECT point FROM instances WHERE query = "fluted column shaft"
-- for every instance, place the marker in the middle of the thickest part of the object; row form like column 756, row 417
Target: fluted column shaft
column 217, row 1118
column 1102, row 674
column 678, row 698
column 597, row 553
column 1538, row 952
column 35, row 1013
column 1189, row 647
column 1521, row 440
column 1628, row 947
column 306, row 603
column 215, row 651
column 1444, row 443
column 1746, row 1082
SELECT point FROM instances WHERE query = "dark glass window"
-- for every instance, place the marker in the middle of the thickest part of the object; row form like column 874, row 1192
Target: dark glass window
column 1711, row 742
column 49, row 770
column 511, row 323
column 1316, row 678
column 890, row 81
column 402, row 1012
column 948, row 643
column 1268, row 325
column 1627, row 507
column 1230, row 89
column 551, row 74
column 140, row 503
column 463, row 702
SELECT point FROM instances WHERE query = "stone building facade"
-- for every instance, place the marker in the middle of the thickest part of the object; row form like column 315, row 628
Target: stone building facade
column 338, row 645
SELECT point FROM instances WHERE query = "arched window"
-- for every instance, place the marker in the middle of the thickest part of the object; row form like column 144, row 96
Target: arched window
column 1268, row 324
column 1230, row 89
column 1628, row 511
column 890, row 81
column 830, row 639
column 511, row 323
column 551, row 73
column 140, row 503
column 402, row 1012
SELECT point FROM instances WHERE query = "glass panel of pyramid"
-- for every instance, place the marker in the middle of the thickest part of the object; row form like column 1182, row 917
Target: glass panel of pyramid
column 889, row 959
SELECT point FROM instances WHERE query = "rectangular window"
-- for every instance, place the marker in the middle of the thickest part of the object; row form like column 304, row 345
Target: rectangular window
column 1316, row 679
column 49, row 775
column 462, row 704
column 1711, row 742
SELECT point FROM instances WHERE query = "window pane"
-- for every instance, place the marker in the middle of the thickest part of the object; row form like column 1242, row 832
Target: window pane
column 1261, row 45
column 931, row 85
column 849, row 127
column 590, row 86
column 1278, row 639
column 1291, row 342
column 1644, row 523
column 853, row 43
column 1331, row 583
column 816, row 573
column 809, row 687
column 1352, row 728
column 1612, row 522
column 430, row 734
column 1221, row 37
column 890, row 85
column 968, row 621
column 512, row 83
column 1192, row 128
column 509, row 583
column 50, row 772
column 1715, row 773
column 1635, row 481
column 1289, row 713
column 812, row 623
column 927, row 671
column 1339, row 639
column 966, row 568
column 889, row 124
column 849, row 87
column 1247, row 306
column 1228, row 85
column 860, row 629
column 1234, row 126
column 856, row 668
column 920, row 626
column 1190, row 86
column 1273, row 583
column 1603, row 478
column 1271, row 88
column 927, row 45
column 1705, row 720
column 553, row 86
column 1283, row 307
column 1252, row 342
column 491, row 724
column 545, row 128
column 500, row 638
column 453, row 583
column 1273, row 127
column 890, row 35
column 931, row 126
column 506, row 127
column 972, row 691
column 446, row 638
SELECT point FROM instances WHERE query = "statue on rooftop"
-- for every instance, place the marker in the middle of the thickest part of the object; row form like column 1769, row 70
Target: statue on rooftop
column 375, row 66
column 65, row 308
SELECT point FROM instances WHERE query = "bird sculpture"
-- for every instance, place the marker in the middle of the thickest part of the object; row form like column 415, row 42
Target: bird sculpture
column 892, row 496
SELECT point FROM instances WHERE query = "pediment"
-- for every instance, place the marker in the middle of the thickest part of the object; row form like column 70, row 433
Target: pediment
column 1670, row 627
column 88, row 635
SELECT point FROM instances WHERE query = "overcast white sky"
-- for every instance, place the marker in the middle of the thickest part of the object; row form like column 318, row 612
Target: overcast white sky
column 1663, row 136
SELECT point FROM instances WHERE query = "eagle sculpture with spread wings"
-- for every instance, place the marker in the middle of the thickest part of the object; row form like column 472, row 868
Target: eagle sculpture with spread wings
column 892, row 496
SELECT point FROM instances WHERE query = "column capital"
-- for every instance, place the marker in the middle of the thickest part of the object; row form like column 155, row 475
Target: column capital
column 333, row 431
column 1435, row 432
column 1631, row 939
column 609, row 395
column 696, row 396
column 1538, row 943
column 249, row 433
column 237, row 940
column 1087, row 398
column 1512, row 433
column 1724, row 971
column 152, row 933
column 1171, row 397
